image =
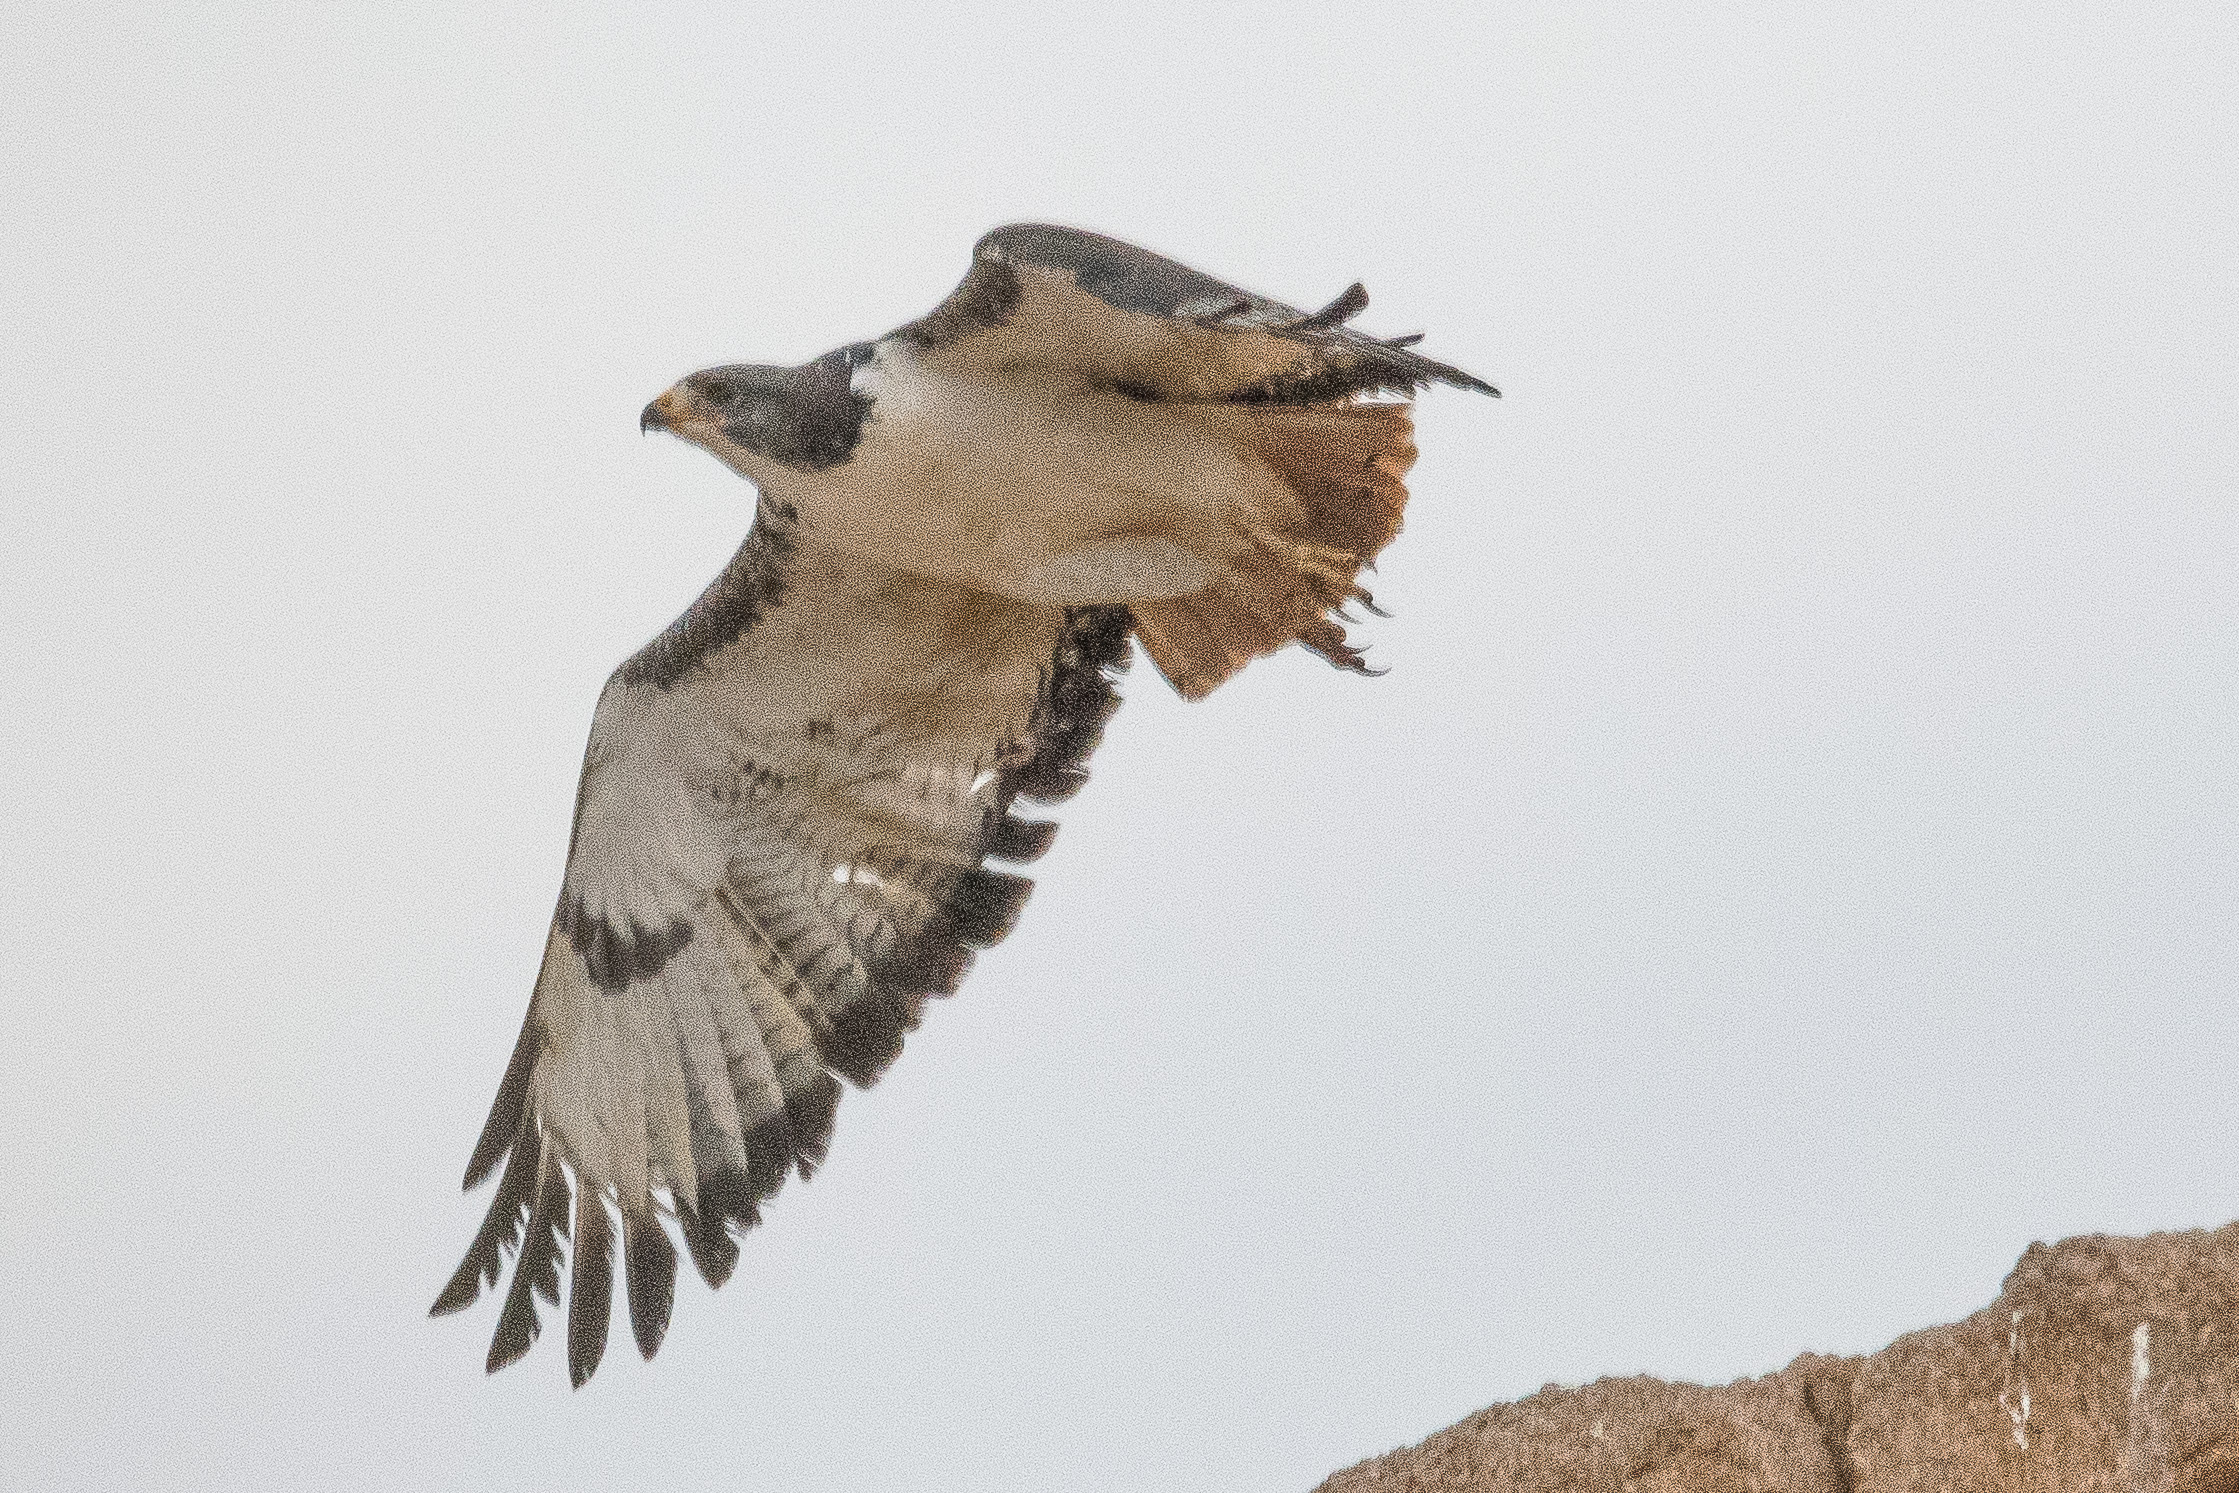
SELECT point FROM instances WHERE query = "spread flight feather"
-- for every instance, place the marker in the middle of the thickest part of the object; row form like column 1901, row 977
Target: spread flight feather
column 791, row 797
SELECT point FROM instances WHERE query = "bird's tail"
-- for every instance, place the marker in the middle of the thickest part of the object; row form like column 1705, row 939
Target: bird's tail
column 1346, row 466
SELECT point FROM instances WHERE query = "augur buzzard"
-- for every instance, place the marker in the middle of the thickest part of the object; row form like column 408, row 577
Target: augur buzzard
column 791, row 796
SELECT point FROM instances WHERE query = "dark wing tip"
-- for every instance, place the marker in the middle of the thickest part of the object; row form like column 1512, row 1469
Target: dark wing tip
column 649, row 1262
column 503, row 1127
column 983, row 907
column 484, row 1261
column 715, row 1254
column 1349, row 304
column 536, row 1270
column 866, row 1038
column 590, row 1287
column 1049, row 782
column 1010, row 838
column 730, row 1195
column 507, row 1346
column 1446, row 373
column 1422, row 370
column 809, row 1114
column 458, row 1295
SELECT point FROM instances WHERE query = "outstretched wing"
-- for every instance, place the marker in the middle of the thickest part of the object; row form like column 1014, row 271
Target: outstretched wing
column 1045, row 297
column 779, row 852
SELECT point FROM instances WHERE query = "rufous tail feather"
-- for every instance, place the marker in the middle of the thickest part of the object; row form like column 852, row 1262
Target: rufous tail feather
column 1347, row 465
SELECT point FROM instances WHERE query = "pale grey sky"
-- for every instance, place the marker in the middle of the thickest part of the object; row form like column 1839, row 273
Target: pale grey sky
column 1790, row 866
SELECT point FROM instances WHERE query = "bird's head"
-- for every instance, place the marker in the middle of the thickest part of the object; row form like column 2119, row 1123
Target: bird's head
column 735, row 413
column 753, row 417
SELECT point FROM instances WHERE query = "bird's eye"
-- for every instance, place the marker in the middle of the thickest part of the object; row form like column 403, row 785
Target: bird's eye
column 717, row 394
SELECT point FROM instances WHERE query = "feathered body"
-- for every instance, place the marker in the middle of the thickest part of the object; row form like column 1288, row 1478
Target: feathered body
column 790, row 798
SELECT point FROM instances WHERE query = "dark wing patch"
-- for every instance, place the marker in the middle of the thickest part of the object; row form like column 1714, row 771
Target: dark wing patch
column 727, row 610
column 1074, row 704
column 1165, row 331
column 755, row 910
column 990, row 292
column 614, row 954
column 1123, row 276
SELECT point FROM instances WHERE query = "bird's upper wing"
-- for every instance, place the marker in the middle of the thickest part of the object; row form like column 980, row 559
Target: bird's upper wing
column 1061, row 299
column 779, row 851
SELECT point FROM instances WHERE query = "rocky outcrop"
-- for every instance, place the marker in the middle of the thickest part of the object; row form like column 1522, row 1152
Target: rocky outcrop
column 2105, row 1364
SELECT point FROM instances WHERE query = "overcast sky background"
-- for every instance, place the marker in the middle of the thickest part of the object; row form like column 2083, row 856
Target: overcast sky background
column 1790, row 866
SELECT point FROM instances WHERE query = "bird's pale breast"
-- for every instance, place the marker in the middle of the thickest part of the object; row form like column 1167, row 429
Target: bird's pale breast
column 1002, row 484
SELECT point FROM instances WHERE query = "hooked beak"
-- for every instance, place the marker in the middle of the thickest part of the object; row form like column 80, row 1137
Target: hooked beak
column 661, row 414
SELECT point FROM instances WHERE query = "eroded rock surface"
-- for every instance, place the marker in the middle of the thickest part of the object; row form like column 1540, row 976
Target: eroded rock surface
column 2105, row 1366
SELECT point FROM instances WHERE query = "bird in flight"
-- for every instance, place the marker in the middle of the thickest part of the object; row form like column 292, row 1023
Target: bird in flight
column 791, row 796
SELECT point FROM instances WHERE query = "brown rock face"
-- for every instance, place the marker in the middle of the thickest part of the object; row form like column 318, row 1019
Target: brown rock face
column 2105, row 1366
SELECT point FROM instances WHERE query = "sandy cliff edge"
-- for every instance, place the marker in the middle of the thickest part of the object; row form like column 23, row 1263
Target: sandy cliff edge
column 2105, row 1364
